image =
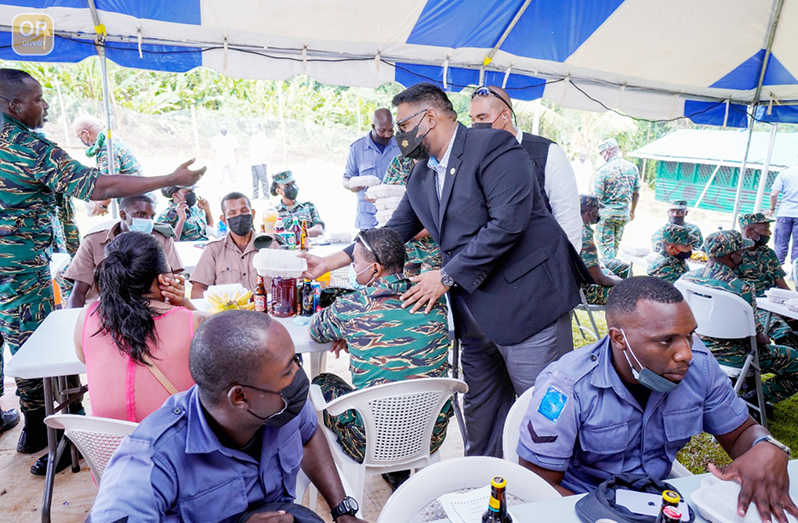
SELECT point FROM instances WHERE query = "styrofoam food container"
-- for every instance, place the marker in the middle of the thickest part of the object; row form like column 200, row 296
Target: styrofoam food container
column 777, row 295
column 388, row 204
column 363, row 181
column 279, row 263
column 717, row 502
column 218, row 290
column 635, row 251
column 385, row 191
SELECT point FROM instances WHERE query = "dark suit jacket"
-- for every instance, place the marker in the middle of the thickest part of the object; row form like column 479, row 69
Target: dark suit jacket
column 513, row 264
column 537, row 148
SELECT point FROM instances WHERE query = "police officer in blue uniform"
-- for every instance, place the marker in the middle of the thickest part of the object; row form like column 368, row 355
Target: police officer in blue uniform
column 630, row 402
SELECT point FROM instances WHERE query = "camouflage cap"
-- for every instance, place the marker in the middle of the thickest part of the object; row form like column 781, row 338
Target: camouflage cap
column 722, row 243
column 677, row 204
column 676, row 234
column 284, row 177
column 588, row 200
column 750, row 219
column 607, row 144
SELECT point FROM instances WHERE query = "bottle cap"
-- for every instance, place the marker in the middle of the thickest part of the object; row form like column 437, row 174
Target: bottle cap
column 671, row 496
column 498, row 482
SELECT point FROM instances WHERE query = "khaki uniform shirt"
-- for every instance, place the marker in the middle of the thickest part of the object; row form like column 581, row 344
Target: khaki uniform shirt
column 92, row 252
column 222, row 263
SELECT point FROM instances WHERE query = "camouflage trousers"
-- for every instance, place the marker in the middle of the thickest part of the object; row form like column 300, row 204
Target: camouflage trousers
column 780, row 332
column 421, row 257
column 597, row 294
column 779, row 360
column 609, row 232
column 18, row 319
column 349, row 425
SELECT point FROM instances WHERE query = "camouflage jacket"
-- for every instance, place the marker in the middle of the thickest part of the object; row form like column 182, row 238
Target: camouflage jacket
column 589, row 253
column 760, row 268
column 193, row 229
column 386, row 342
column 616, row 181
column 301, row 211
column 696, row 238
column 34, row 171
column 667, row 267
column 124, row 160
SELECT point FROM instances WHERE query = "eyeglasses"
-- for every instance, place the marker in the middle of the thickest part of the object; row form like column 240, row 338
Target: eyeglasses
column 296, row 359
column 366, row 245
column 403, row 120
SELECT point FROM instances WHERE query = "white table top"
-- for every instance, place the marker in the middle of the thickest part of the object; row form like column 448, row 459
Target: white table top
column 58, row 261
column 777, row 308
column 50, row 351
column 190, row 253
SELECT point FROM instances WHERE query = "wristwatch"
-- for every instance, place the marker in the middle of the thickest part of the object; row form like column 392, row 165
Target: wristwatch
column 447, row 280
column 347, row 506
column 773, row 441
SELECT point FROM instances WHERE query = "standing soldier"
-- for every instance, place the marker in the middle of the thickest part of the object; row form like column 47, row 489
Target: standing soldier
column 35, row 170
column 597, row 293
column 422, row 253
column 617, row 186
column 761, row 268
column 677, row 211
column 670, row 264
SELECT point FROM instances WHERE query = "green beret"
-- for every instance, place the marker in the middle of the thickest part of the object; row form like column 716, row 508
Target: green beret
column 722, row 243
column 588, row 200
column 284, row 177
column 750, row 219
column 607, row 144
column 676, row 234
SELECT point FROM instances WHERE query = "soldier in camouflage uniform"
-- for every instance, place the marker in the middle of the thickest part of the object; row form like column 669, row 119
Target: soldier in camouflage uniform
column 196, row 213
column 760, row 267
column 34, row 171
column 386, row 342
column 423, row 254
column 725, row 252
column 596, row 294
column 677, row 211
column 670, row 264
column 284, row 185
column 617, row 186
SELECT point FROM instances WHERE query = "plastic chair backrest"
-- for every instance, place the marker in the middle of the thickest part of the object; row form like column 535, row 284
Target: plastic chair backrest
column 95, row 438
column 719, row 314
column 451, row 475
column 512, row 425
column 398, row 417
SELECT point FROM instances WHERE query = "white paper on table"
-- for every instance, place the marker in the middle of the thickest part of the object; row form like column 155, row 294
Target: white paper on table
column 466, row 507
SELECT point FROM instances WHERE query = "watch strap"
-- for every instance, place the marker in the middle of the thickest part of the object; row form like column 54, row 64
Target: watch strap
column 773, row 441
column 348, row 505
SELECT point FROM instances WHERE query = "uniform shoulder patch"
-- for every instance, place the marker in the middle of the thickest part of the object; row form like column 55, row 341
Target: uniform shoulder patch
column 552, row 404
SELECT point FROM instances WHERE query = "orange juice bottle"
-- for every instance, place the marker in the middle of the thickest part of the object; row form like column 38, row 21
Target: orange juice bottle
column 269, row 218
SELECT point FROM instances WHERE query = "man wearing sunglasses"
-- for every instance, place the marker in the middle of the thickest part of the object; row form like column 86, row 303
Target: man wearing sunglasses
column 491, row 108
column 511, row 274
column 370, row 156
column 233, row 444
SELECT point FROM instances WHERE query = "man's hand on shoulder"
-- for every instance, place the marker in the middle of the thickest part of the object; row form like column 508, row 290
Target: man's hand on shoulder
column 427, row 290
column 762, row 475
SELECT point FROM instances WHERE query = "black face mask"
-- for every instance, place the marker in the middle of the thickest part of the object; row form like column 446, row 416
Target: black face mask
column 684, row 255
column 411, row 145
column 191, row 199
column 762, row 241
column 291, row 191
column 294, row 397
column 240, row 225
column 482, row 125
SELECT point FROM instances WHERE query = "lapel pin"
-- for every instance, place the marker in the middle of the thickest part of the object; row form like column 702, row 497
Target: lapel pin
column 452, row 171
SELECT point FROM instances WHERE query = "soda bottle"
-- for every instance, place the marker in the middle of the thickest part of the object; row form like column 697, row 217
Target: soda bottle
column 497, row 507
column 303, row 244
column 260, row 295
column 296, row 228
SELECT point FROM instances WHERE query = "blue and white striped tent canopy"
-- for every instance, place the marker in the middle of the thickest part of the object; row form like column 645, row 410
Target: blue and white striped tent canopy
column 657, row 59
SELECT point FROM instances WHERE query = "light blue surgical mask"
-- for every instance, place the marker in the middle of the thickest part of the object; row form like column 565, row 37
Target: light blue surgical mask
column 353, row 283
column 647, row 377
column 142, row 225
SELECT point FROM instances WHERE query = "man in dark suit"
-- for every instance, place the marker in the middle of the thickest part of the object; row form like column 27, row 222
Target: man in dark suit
column 509, row 270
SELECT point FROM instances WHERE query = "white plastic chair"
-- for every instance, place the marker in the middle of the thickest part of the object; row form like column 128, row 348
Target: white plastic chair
column 303, row 484
column 95, row 438
column 398, row 419
column 513, row 423
column 451, row 475
column 724, row 315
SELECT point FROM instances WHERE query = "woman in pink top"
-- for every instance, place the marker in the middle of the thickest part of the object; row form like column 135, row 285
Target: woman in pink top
column 140, row 325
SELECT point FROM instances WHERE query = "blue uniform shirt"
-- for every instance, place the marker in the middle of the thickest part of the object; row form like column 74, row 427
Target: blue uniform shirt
column 365, row 159
column 173, row 468
column 582, row 419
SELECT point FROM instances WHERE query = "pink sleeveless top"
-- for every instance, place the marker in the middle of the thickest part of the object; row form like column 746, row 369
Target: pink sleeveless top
column 119, row 388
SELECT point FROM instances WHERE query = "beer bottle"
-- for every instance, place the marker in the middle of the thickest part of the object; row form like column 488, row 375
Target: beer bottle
column 307, row 299
column 670, row 515
column 670, row 500
column 497, row 507
column 260, row 295
column 303, row 237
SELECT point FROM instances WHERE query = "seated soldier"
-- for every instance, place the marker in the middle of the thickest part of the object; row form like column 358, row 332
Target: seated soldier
column 386, row 342
column 186, row 213
column 670, row 263
column 136, row 213
column 229, row 259
column 289, row 209
column 677, row 210
column 596, row 294
column 630, row 402
column 760, row 267
column 232, row 444
column 725, row 252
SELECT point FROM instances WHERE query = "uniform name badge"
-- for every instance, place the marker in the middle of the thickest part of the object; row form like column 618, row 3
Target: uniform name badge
column 552, row 404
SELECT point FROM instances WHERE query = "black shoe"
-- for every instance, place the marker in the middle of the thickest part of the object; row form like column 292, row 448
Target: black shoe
column 8, row 419
column 395, row 479
column 40, row 467
column 34, row 435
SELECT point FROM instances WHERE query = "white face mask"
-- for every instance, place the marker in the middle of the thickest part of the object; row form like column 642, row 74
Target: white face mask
column 647, row 377
column 353, row 277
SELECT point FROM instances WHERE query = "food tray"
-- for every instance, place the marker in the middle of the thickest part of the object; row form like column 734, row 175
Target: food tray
column 279, row 264
column 388, row 204
column 363, row 181
column 777, row 295
column 385, row 191
column 716, row 501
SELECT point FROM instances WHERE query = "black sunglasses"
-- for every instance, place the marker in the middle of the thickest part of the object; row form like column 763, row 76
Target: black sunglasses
column 487, row 91
column 363, row 241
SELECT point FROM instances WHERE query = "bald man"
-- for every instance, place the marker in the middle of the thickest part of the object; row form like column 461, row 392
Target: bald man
column 491, row 107
column 371, row 155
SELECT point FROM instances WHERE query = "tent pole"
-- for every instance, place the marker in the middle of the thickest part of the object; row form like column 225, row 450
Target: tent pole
column 763, row 69
column 706, row 187
column 489, row 58
column 763, row 176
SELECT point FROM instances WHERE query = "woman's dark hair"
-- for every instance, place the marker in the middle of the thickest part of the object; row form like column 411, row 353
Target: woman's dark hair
column 132, row 261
